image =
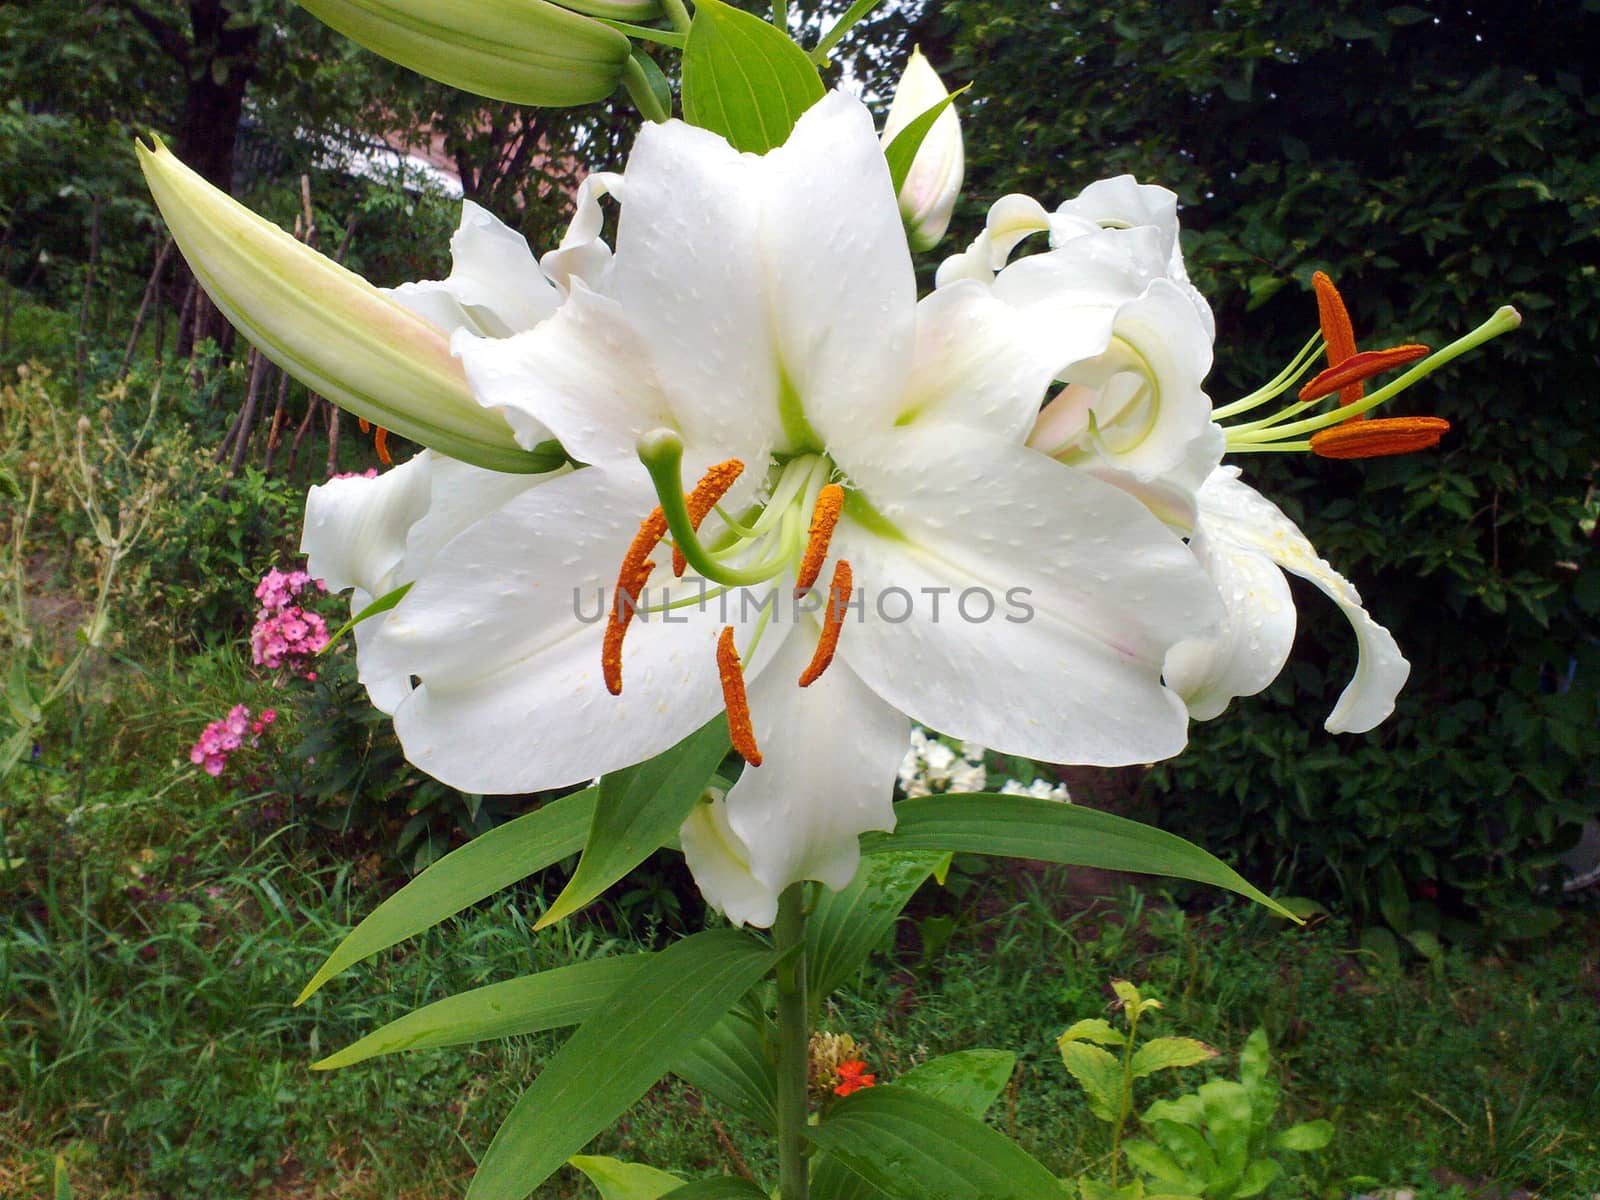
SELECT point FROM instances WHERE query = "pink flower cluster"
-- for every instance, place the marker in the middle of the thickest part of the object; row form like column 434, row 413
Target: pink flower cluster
column 284, row 632
column 222, row 738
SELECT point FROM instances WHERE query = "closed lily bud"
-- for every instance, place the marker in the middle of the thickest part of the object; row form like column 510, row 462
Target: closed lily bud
column 929, row 193
column 522, row 51
column 327, row 326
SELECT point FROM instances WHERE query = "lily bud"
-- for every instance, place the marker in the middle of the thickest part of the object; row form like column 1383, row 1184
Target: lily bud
column 327, row 326
column 928, row 196
column 522, row 51
column 616, row 10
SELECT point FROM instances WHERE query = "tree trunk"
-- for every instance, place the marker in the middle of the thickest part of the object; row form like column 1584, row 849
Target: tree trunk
column 221, row 63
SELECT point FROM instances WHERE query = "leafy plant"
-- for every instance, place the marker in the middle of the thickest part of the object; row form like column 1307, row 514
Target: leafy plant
column 1214, row 1143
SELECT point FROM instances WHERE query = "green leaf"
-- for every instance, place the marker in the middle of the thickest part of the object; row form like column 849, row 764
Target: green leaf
column 902, row 151
column 618, row 1180
column 1308, row 1135
column 725, row 1188
column 1151, row 1160
column 1094, row 1029
column 63, row 1187
column 1165, row 1053
column 848, row 925
column 1255, row 1060
column 480, row 868
column 612, row 1059
column 1256, row 1177
column 1099, row 1189
column 532, row 1003
column 1098, row 1073
column 744, row 78
column 730, row 1064
column 1186, row 1144
column 968, row 1080
column 912, row 1147
column 1027, row 827
column 638, row 808
column 1227, row 1110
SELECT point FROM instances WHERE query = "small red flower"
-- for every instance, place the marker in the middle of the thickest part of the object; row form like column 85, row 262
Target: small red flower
column 853, row 1077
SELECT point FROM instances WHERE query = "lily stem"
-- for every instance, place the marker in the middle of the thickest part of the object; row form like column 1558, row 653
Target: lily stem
column 794, row 1044
column 677, row 14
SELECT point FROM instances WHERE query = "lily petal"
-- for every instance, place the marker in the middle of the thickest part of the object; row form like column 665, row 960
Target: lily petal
column 583, row 375
column 1251, row 645
column 495, row 287
column 1088, row 592
column 583, row 253
column 720, row 863
column 842, row 292
column 694, row 295
column 1236, row 513
column 831, row 754
column 376, row 534
column 356, row 528
column 970, row 367
column 511, row 696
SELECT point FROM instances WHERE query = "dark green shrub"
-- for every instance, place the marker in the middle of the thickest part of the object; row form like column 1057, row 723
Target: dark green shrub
column 1437, row 163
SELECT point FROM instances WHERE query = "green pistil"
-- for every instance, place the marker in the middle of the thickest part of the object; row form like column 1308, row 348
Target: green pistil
column 1275, row 432
column 779, row 529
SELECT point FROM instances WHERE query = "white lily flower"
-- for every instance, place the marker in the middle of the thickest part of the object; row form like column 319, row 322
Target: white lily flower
column 928, row 195
column 1133, row 412
column 762, row 311
column 1243, row 539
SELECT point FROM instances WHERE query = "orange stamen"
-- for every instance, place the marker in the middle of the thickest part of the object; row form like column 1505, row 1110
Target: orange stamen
column 1375, row 439
column 1336, row 331
column 366, row 425
column 830, row 503
column 706, row 495
column 1358, row 367
column 635, row 572
column 380, row 443
column 832, row 624
column 740, row 731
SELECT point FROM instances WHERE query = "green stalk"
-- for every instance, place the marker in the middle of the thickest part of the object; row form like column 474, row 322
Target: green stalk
column 677, row 14
column 794, row 1044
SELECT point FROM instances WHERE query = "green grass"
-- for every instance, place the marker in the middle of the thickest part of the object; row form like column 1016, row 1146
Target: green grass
column 149, row 1037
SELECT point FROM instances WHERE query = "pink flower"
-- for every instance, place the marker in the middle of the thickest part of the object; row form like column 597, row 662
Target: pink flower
column 219, row 739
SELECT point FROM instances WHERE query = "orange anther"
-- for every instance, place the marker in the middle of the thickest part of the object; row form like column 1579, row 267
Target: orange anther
column 832, row 623
column 830, row 503
column 1336, row 331
column 366, row 425
column 740, row 731
column 380, row 443
column 706, row 495
column 635, row 572
column 1358, row 367
column 1375, row 439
